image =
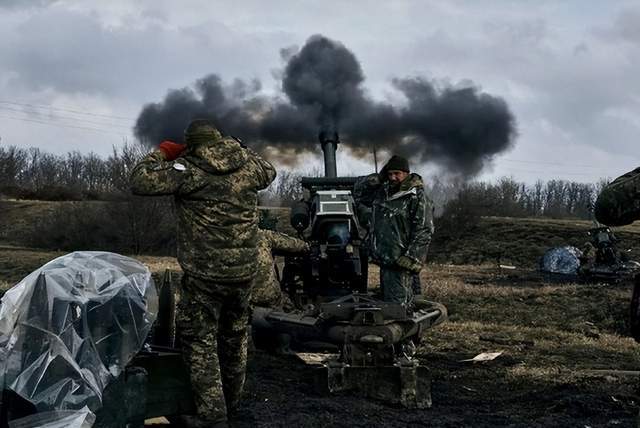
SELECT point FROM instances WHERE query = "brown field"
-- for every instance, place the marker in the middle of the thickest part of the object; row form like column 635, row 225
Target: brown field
column 494, row 240
column 566, row 355
column 565, row 358
column 520, row 241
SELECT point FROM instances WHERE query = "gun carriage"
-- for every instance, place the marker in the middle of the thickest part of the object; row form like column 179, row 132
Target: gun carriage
column 375, row 340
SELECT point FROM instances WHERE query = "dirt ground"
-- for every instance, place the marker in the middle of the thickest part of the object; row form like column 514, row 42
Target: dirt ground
column 566, row 359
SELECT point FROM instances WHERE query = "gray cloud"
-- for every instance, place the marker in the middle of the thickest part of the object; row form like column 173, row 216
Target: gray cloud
column 25, row 4
column 567, row 69
column 534, row 65
column 79, row 54
column 625, row 28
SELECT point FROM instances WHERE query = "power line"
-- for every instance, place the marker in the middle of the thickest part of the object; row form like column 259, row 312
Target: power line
column 51, row 107
column 59, row 117
column 62, row 125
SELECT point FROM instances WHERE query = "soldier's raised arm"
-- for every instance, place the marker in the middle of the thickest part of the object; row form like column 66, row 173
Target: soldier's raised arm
column 265, row 173
column 365, row 188
column 283, row 243
column 154, row 175
column 619, row 202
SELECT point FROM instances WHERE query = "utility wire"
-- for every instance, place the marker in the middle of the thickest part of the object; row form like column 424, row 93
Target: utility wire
column 51, row 107
column 59, row 117
column 62, row 125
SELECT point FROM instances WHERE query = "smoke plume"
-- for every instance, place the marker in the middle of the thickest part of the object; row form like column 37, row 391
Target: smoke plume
column 461, row 128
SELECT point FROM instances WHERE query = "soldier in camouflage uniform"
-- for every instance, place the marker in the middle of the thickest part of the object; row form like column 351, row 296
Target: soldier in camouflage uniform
column 266, row 289
column 619, row 202
column 401, row 226
column 214, row 181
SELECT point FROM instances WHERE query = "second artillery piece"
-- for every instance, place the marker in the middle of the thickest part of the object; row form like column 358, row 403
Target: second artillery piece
column 599, row 260
column 376, row 340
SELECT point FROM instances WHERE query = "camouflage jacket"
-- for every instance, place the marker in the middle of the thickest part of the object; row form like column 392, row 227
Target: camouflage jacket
column 401, row 223
column 619, row 202
column 215, row 187
column 266, row 289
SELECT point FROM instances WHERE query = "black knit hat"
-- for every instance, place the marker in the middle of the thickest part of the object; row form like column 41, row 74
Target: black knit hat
column 397, row 163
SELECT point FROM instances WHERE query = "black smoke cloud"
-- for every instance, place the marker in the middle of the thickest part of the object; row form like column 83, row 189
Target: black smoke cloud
column 459, row 127
column 325, row 78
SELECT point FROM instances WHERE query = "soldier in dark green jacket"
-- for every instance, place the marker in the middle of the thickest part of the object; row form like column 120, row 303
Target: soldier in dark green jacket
column 619, row 202
column 214, row 181
column 401, row 225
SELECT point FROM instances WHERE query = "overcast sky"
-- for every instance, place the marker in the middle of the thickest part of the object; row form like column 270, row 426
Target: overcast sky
column 74, row 74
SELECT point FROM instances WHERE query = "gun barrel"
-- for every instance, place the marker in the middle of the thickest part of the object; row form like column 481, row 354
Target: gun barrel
column 330, row 168
column 329, row 143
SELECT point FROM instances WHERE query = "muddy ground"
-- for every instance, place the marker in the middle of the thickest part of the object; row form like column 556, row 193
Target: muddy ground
column 566, row 362
column 279, row 393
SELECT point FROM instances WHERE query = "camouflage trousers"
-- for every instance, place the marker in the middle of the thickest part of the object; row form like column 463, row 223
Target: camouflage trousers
column 212, row 328
column 397, row 285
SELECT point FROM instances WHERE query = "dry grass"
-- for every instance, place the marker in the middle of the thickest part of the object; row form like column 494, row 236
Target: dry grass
column 495, row 240
column 159, row 264
column 551, row 335
column 520, row 241
column 523, row 297
column 18, row 217
column 4, row 286
column 16, row 263
column 554, row 333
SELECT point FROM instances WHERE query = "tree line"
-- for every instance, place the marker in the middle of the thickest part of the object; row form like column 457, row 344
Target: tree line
column 30, row 173
column 101, row 214
column 504, row 198
column 510, row 198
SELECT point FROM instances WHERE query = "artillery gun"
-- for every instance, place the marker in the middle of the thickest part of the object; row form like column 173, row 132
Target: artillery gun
column 376, row 340
column 599, row 260
column 607, row 263
column 328, row 286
